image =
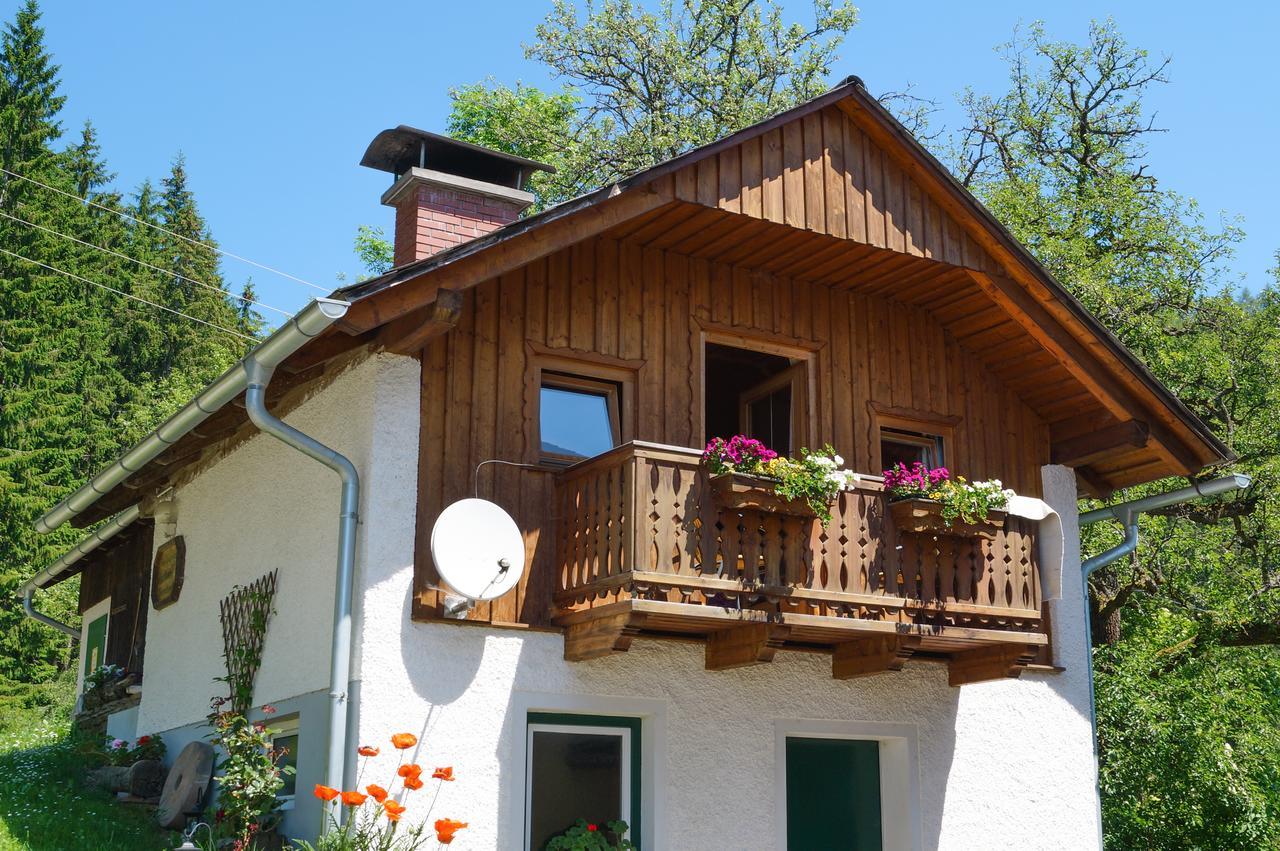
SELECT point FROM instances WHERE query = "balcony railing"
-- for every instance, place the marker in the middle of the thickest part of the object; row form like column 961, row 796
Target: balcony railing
column 643, row 546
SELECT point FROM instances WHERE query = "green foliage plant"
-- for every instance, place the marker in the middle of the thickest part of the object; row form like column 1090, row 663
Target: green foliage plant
column 814, row 477
column 588, row 836
column 250, row 775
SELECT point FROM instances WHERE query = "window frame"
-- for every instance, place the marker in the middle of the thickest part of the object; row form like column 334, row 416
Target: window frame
column 574, row 369
column 610, row 390
column 803, row 353
column 921, row 424
column 900, row 809
column 288, row 726
column 97, row 611
column 627, row 728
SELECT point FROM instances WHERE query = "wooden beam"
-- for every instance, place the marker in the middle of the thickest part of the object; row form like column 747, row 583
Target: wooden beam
column 379, row 308
column 408, row 334
column 1095, row 445
column 989, row 663
column 748, row 644
column 867, row 656
column 1073, row 355
column 1093, row 484
column 599, row 637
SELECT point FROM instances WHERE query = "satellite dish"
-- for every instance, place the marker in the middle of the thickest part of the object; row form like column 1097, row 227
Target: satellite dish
column 478, row 551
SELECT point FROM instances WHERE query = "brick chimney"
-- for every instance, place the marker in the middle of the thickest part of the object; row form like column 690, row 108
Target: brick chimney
column 447, row 192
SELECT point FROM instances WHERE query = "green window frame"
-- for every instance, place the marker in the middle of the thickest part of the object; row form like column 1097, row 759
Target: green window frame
column 628, row 727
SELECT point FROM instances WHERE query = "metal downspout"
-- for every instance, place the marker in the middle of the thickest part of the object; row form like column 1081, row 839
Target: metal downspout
column 87, row 544
column 29, row 608
column 1127, row 514
column 340, row 652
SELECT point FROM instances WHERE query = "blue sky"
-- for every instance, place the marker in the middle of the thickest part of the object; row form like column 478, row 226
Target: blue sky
column 273, row 103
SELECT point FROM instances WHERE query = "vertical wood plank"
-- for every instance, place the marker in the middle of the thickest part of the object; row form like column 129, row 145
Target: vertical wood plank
column 752, row 177
column 772, row 173
column 581, row 305
column 607, row 297
column 793, row 198
column 730, row 180
column 815, row 202
column 834, row 171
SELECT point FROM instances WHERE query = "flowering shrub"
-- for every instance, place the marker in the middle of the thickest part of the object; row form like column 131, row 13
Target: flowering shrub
column 585, row 836
column 251, row 776
column 120, row 752
column 738, row 454
column 970, row 502
column 372, row 817
column 102, row 676
column 816, row 477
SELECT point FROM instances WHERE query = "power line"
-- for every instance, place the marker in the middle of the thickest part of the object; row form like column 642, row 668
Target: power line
column 163, row 307
column 207, row 286
column 125, row 215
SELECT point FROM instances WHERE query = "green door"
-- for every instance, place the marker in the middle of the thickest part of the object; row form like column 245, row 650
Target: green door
column 833, row 795
column 95, row 644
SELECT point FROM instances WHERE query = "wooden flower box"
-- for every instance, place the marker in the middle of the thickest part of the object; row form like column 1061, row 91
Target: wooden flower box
column 739, row 490
column 924, row 517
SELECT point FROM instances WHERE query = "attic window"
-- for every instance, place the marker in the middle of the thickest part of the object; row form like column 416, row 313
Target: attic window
column 578, row 417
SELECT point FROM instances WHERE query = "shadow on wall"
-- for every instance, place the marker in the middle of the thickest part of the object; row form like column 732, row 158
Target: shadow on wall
column 719, row 734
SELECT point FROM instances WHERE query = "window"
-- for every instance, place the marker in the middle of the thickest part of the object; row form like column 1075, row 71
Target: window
column 580, row 767
column 761, row 393
column 833, row 793
column 577, row 417
column 286, row 740
column 900, row 446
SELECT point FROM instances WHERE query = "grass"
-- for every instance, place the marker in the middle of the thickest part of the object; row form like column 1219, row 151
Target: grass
column 44, row 804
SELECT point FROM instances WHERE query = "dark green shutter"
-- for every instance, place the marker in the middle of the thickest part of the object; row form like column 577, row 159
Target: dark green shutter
column 95, row 639
column 833, row 795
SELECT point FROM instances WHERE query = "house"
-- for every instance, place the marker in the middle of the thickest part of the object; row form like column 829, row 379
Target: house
column 720, row 677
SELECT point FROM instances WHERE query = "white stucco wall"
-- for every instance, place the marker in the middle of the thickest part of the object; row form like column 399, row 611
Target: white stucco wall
column 265, row 506
column 1004, row 764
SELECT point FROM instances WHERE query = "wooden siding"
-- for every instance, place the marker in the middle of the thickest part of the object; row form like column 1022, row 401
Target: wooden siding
column 618, row 302
column 121, row 570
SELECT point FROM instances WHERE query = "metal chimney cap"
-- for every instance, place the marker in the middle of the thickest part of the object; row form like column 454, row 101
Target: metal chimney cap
column 402, row 148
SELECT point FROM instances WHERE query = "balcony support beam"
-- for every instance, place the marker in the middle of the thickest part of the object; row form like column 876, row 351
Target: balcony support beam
column 989, row 663
column 864, row 657
column 601, row 636
column 748, row 644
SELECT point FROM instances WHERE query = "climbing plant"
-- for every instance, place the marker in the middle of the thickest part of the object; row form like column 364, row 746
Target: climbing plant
column 245, row 612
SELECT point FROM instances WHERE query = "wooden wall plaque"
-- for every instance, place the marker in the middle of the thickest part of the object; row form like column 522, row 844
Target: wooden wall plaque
column 167, row 571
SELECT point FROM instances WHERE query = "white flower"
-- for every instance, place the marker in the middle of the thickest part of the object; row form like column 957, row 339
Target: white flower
column 824, row 461
column 839, row 461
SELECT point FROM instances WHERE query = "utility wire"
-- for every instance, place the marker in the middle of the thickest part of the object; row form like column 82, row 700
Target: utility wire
column 125, row 215
column 163, row 307
column 207, row 286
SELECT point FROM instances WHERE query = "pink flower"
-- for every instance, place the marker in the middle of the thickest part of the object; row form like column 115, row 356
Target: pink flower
column 268, row 709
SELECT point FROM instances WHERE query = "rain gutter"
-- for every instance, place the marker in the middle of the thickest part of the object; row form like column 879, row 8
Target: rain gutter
column 87, row 544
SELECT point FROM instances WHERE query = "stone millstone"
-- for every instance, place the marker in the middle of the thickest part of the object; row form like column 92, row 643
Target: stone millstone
column 185, row 787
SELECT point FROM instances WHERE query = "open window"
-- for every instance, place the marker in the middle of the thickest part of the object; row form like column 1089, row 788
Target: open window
column 756, row 393
column 580, row 767
column 908, row 436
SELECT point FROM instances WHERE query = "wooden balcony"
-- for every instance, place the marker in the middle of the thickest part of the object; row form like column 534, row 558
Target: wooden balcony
column 643, row 547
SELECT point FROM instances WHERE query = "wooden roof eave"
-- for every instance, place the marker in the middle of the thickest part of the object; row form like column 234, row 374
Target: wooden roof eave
column 1035, row 299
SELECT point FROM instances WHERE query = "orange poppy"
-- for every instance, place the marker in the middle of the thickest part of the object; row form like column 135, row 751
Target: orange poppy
column 365, row 750
column 445, row 773
column 376, row 792
column 326, row 793
column 414, row 782
column 446, row 828
column 392, row 809
column 409, row 769
column 404, row 741
column 353, row 799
